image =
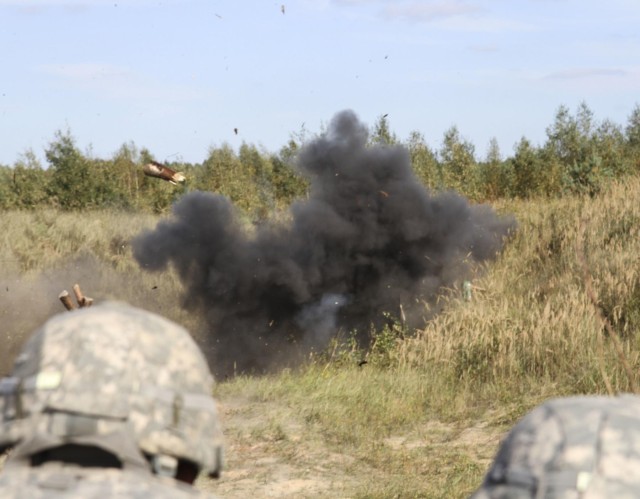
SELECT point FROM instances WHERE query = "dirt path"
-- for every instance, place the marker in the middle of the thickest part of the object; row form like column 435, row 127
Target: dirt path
column 270, row 452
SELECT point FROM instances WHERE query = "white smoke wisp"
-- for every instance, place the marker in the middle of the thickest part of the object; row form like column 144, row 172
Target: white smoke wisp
column 318, row 321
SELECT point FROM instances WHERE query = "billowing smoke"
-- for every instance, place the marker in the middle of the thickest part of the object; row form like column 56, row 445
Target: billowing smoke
column 368, row 239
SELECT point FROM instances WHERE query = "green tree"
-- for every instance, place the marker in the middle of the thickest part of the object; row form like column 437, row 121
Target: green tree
column 29, row 182
column 424, row 161
column 224, row 173
column 609, row 144
column 287, row 184
column 458, row 163
column 527, row 170
column 632, row 129
column 563, row 137
column 73, row 181
column 632, row 135
column 381, row 132
column 570, row 137
column 259, row 170
column 289, row 151
column 8, row 197
column 125, row 169
column 492, row 177
column 106, row 185
column 571, row 140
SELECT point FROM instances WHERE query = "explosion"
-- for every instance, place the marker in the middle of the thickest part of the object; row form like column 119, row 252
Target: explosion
column 369, row 239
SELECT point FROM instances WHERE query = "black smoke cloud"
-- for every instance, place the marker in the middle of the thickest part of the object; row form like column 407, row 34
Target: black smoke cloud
column 368, row 239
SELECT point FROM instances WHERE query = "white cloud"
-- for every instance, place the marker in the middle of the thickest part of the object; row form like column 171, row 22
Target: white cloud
column 587, row 73
column 431, row 11
column 74, row 6
column 416, row 10
column 618, row 81
column 120, row 82
column 354, row 2
column 486, row 24
column 453, row 15
column 78, row 3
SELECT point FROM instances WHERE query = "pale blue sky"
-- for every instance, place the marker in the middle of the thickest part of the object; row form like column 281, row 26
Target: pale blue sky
column 177, row 76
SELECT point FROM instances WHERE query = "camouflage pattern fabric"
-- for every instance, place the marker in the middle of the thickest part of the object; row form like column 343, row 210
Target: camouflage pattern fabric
column 52, row 480
column 115, row 377
column 576, row 447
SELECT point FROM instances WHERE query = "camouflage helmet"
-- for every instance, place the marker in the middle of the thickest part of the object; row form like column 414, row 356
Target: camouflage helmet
column 586, row 447
column 110, row 375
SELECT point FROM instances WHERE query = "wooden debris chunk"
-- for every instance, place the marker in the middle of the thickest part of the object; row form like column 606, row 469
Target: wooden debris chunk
column 66, row 300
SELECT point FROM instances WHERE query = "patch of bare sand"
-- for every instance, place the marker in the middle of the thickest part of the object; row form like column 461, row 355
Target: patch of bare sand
column 268, row 453
column 478, row 441
column 272, row 452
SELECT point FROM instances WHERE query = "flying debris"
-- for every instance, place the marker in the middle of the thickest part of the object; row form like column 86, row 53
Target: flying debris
column 155, row 169
column 368, row 239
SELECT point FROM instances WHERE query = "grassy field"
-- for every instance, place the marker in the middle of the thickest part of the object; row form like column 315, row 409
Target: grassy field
column 423, row 416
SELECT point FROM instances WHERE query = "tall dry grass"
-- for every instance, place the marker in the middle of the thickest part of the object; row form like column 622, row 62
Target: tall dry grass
column 43, row 252
column 529, row 332
column 531, row 317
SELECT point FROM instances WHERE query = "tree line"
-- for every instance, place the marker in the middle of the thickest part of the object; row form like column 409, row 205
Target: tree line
column 579, row 155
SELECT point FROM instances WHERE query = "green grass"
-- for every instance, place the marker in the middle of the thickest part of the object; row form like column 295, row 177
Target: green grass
column 530, row 332
column 404, row 426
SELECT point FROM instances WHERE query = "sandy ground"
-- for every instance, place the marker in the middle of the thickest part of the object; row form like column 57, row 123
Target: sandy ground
column 269, row 454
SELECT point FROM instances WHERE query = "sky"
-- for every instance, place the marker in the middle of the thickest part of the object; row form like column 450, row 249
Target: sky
column 182, row 76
